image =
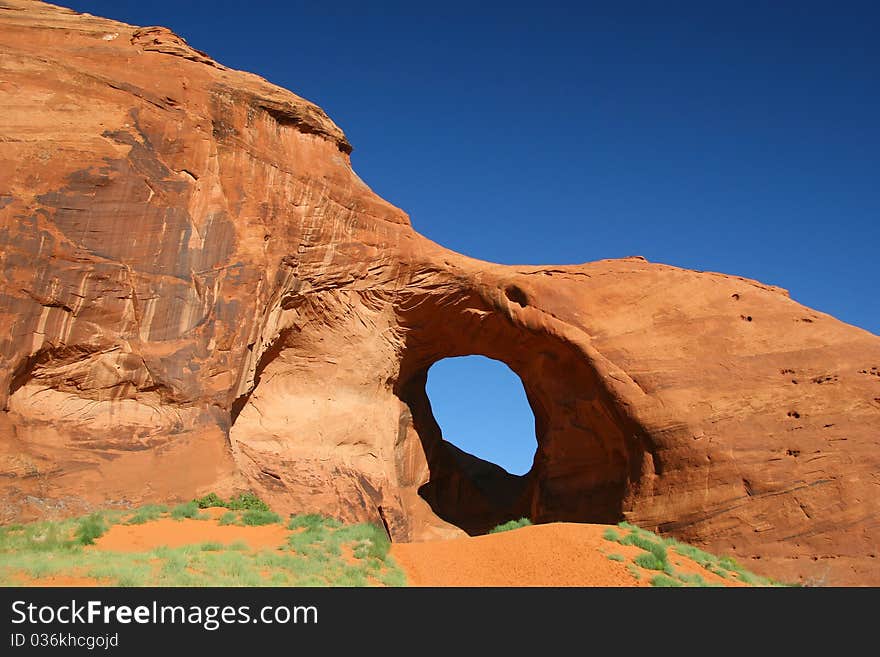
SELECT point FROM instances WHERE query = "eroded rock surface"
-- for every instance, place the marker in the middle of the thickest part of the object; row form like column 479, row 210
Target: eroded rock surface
column 198, row 293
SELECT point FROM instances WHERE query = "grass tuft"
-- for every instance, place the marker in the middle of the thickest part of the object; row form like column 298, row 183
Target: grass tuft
column 254, row 517
column 611, row 535
column 511, row 524
column 634, row 570
column 649, row 561
column 733, row 566
column 643, row 541
column 210, row 500
column 695, row 554
column 188, row 510
column 664, row 581
column 308, row 522
column 90, row 528
column 211, row 546
column 147, row 513
column 246, row 502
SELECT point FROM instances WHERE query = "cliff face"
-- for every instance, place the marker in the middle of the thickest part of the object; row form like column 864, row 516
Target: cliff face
column 198, row 293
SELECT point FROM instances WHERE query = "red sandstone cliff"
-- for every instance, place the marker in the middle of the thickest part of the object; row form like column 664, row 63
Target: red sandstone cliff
column 199, row 293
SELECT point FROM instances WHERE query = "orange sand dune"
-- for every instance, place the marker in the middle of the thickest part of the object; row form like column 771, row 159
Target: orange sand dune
column 555, row 554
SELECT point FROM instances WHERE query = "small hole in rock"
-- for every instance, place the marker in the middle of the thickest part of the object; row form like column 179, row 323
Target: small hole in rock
column 516, row 295
column 794, row 414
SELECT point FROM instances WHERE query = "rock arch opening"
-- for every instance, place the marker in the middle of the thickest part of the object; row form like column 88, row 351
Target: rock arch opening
column 592, row 459
column 482, row 442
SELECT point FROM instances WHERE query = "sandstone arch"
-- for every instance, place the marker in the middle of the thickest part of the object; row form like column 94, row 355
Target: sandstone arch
column 589, row 454
column 199, row 293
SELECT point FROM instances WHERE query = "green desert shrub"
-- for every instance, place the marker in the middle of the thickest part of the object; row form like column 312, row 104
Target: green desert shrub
column 90, row 528
column 695, row 554
column 654, row 547
column 655, row 557
column 511, row 524
column 209, row 500
column 611, row 535
column 649, row 561
column 246, row 502
column 369, row 541
column 188, row 510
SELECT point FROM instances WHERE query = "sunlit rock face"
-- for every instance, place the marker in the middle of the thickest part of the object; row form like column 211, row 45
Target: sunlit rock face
column 198, row 293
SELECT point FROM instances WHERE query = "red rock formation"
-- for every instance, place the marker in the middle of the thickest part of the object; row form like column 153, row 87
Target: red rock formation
column 199, row 293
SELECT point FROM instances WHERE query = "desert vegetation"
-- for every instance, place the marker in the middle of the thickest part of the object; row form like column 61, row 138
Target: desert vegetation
column 511, row 524
column 318, row 551
column 240, row 541
column 654, row 560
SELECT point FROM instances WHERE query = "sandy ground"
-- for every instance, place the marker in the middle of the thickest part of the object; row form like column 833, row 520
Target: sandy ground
column 556, row 554
column 176, row 533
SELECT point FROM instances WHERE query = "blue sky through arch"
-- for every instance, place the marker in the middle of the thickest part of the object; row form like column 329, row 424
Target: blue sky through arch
column 481, row 407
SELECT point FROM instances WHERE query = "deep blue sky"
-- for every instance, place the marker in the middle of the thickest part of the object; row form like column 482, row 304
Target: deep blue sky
column 741, row 137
